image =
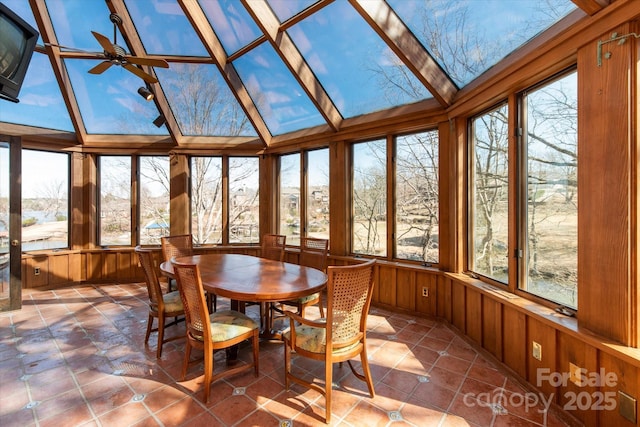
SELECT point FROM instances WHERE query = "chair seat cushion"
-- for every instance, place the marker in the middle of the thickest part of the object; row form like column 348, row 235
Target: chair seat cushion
column 172, row 302
column 229, row 324
column 313, row 339
column 303, row 300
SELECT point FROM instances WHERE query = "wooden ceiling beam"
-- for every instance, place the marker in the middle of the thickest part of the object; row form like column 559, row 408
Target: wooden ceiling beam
column 291, row 56
column 41, row 15
column 200, row 23
column 134, row 43
column 591, row 7
column 386, row 23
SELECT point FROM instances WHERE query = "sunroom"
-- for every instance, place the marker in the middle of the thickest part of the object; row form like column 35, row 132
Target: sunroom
column 483, row 152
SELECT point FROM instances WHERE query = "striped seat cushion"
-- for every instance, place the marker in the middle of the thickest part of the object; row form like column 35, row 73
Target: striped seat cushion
column 172, row 302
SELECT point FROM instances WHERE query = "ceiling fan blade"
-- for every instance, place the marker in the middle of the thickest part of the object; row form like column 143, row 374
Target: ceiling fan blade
column 147, row 61
column 105, row 43
column 138, row 72
column 101, row 67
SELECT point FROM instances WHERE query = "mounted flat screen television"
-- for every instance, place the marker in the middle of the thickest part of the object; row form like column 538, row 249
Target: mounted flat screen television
column 17, row 41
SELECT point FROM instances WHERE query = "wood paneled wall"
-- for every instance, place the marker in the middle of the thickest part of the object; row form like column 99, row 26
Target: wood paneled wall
column 608, row 188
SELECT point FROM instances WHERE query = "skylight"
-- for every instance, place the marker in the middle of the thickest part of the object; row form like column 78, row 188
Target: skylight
column 274, row 69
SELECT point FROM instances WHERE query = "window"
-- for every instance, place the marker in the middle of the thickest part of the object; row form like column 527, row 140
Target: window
column 416, row 197
column 290, row 197
column 154, row 199
column 45, row 200
column 317, row 224
column 546, row 194
column 369, row 198
column 115, row 200
column 489, row 196
column 244, row 202
column 551, row 232
column 206, row 200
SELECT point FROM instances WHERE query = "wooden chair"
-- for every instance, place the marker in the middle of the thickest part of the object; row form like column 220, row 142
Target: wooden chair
column 182, row 245
column 339, row 337
column 313, row 253
column 211, row 332
column 161, row 306
column 176, row 246
column 273, row 246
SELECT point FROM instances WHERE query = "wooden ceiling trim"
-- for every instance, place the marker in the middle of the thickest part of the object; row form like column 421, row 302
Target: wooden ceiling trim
column 49, row 138
column 200, row 23
column 288, row 52
column 304, row 14
column 43, row 21
column 404, row 43
column 591, row 7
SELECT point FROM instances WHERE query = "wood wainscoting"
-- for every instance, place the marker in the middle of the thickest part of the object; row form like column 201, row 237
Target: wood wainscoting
column 506, row 326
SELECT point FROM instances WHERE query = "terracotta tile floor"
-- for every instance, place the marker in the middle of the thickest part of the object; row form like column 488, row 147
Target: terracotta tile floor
column 76, row 356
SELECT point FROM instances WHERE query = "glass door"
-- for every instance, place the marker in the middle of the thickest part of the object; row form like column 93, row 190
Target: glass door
column 4, row 224
column 10, row 225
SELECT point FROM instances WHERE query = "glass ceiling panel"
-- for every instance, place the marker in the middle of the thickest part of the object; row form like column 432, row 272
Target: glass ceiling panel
column 109, row 102
column 202, row 102
column 469, row 37
column 283, row 104
column 73, row 22
column 164, row 29
column 285, row 9
column 231, row 22
column 41, row 103
column 357, row 69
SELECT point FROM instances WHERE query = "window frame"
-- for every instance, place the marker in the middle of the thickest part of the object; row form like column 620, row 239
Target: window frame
column 522, row 226
column 68, row 193
column 304, row 190
column 133, row 204
column 518, row 221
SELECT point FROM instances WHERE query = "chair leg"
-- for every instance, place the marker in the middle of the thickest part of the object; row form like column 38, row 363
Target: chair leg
column 366, row 371
column 149, row 326
column 328, row 378
column 208, row 371
column 256, row 355
column 287, row 364
column 160, row 335
column 185, row 363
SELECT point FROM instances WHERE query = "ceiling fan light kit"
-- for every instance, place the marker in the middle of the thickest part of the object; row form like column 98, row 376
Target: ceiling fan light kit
column 113, row 54
column 145, row 93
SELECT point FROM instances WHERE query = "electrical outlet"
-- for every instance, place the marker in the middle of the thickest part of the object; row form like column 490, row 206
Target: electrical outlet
column 425, row 291
column 537, row 351
column 36, row 271
column 574, row 374
column 628, row 407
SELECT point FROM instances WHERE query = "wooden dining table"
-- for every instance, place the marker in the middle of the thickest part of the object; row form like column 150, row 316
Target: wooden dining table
column 246, row 278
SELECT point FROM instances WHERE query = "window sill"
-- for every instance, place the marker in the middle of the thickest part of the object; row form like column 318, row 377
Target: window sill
column 560, row 322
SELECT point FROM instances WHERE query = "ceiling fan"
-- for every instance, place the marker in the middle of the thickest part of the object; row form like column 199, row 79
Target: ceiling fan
column 114, row 54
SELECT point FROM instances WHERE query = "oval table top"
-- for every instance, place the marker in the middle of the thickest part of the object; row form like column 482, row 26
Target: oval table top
column 249, row 278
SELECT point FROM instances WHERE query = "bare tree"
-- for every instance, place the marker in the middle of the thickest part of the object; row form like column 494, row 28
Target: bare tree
column 203, row 107
column 54, row 193
column 417, row 196
column 369, row 198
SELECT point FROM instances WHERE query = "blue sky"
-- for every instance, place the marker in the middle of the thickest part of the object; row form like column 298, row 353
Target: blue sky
column 342, row 50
